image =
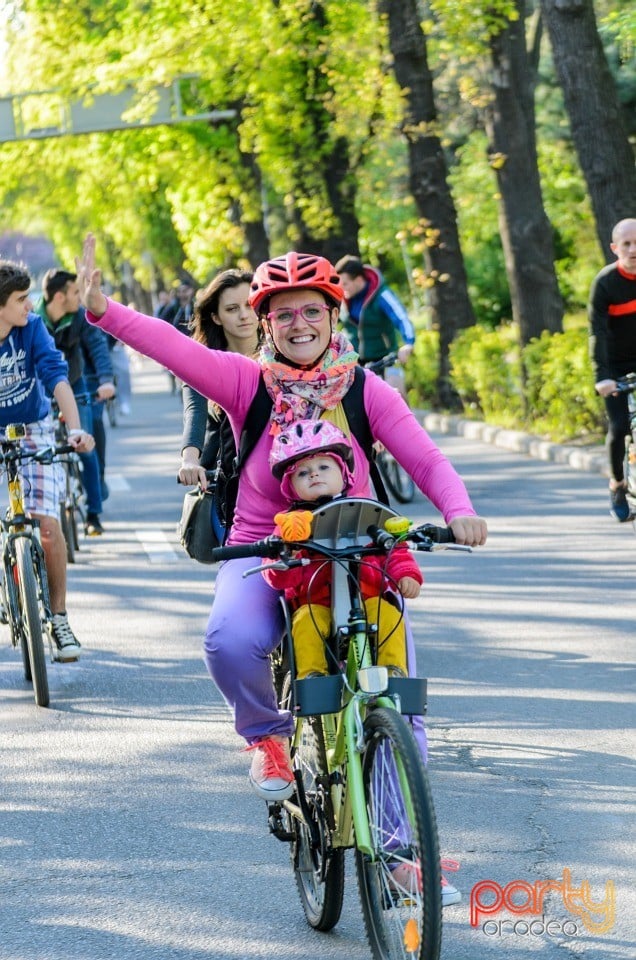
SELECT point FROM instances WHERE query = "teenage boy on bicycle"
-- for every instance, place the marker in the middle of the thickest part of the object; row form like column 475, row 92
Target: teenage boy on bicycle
column 30, row 368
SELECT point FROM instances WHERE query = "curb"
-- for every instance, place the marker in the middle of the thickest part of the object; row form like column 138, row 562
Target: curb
column 592, row 459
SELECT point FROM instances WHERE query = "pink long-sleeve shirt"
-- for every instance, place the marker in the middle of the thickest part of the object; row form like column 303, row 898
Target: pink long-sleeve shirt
column 231, row 380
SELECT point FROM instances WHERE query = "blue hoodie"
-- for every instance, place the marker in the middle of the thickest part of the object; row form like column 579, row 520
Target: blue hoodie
column 30, row 367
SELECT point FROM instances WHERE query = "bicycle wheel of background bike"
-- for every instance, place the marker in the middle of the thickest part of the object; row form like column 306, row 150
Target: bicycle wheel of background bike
column 396, row 478
column 400, row 888
column 319, row 870
column 67, row 515
column 9, row 598
column 31, row 621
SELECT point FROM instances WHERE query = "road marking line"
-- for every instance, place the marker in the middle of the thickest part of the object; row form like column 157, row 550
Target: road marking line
column 157, row 546
column 117, row 483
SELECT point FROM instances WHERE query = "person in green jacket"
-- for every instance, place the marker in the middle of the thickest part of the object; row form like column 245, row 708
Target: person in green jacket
column 376, row 321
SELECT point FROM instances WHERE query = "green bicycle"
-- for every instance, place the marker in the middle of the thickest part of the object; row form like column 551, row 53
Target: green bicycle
column 360, row 782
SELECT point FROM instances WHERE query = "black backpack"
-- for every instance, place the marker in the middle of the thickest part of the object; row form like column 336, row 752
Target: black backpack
column 230, row 461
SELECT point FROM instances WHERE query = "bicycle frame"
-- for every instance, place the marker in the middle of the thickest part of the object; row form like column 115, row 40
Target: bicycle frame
column 627, row 384
column 16, row 523
column 359, row 776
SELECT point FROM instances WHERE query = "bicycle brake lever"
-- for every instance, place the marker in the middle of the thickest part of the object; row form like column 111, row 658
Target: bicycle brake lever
column 432, row 547
column 43, row 455
column 278, row 565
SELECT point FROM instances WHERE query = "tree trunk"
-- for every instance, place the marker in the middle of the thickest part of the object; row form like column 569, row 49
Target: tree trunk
column 449, row 301
column 598, row 127
column 340, row 186
column 248, row 208
column 331, row 174
column 525, row 229
column 254, row 227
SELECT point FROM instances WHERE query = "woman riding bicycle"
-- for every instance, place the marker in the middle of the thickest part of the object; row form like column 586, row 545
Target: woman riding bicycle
column 307, row 368
column 222, row 320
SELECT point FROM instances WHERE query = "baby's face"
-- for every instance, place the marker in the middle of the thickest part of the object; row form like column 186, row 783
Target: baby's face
column 317, row 476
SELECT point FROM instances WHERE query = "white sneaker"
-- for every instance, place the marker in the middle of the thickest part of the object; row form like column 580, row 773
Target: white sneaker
column 66, row 647
column 406, row 876
column 450, row 894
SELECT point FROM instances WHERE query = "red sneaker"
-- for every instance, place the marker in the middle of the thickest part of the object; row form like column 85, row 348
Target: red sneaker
column 271, row 774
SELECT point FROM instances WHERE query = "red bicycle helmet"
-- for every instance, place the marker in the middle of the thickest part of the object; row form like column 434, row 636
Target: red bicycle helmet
column 292, row 272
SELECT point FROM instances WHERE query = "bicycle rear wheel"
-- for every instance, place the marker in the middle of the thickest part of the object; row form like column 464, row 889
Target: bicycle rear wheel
column 31, row 621
column 319, row 869
column 396, row 478
column 400, row 888
column 67, row 515
column 111, row 411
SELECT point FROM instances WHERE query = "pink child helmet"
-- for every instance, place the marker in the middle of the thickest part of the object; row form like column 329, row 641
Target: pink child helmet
column 305, row 438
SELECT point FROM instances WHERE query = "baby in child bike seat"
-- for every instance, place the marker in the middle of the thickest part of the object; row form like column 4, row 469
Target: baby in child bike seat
column 313, row 460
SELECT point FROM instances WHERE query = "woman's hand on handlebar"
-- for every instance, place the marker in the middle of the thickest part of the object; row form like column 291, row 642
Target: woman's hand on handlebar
column 471, row 531
column 191, row 472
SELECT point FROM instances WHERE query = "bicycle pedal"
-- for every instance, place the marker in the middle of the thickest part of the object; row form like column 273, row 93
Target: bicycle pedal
column 276, row 825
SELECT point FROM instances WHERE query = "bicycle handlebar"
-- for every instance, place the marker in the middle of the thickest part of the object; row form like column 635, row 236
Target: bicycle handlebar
column 626, row 384
column 377, row 366
column 45, row 455
column 270, row 548
column 423, row 538
column 209, row 476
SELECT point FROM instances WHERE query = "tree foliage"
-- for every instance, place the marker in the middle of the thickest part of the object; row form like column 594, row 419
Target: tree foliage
column 317, row 154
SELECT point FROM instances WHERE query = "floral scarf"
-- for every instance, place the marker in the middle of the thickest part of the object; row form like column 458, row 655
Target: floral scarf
column 299, row 394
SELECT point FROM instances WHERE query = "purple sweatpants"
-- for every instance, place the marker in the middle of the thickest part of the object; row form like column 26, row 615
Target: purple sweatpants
column 245, row 625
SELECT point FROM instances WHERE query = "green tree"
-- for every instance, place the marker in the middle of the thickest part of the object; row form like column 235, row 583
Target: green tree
column 596, row 117
column 449, row 302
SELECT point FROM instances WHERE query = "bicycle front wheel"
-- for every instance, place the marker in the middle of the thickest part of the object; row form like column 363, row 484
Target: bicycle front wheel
column 396, row 478
column 400, row 886
column 31, row 621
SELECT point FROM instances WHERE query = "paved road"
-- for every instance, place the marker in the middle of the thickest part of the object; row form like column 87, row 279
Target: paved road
column 128, row 830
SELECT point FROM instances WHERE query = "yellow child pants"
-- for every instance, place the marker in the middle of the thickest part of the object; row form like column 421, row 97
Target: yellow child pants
column 311, row 625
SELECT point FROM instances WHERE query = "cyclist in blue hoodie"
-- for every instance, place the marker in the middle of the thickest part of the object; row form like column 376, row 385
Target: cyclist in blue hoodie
column 30, row 368
column 376, row 322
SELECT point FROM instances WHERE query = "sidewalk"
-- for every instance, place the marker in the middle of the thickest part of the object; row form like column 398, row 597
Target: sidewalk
column 592, row 459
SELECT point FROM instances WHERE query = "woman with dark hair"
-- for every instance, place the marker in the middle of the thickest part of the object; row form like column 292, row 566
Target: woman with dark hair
column 223, row 320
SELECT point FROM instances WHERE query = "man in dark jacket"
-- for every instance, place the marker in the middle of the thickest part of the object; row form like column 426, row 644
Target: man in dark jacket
column 376, row 322
column 612, row 313
column 73, row 335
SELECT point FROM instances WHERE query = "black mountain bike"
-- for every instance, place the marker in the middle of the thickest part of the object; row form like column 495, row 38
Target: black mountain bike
column 73, row 505
column 627, row 385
